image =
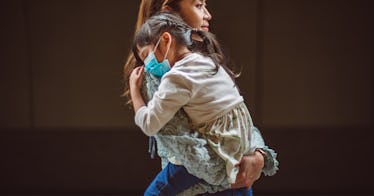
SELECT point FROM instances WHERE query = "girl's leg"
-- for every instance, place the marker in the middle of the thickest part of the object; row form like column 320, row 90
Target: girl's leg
column 171, row 180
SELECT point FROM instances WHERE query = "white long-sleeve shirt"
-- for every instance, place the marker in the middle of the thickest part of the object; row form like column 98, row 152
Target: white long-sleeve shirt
column 193, row 84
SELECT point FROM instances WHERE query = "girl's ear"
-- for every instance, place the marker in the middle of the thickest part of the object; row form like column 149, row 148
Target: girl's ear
column 166, row 39
column 165, row 43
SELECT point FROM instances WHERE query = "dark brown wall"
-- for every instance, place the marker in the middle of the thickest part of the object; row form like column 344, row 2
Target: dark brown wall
column 308, row 79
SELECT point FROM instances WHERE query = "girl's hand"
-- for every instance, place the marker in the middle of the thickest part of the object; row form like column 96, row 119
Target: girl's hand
column 250, row 168
column 136, row 78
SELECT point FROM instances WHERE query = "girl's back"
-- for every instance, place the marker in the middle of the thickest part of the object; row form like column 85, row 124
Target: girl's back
column 205, row 92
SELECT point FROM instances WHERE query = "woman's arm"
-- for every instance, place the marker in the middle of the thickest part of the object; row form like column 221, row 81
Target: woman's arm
column 270, row 156
column 251, row 166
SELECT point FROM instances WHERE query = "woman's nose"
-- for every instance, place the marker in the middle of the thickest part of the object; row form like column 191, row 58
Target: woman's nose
column 207, row 15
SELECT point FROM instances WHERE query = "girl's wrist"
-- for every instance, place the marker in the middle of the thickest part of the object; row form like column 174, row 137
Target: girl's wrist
column 134, row 92
column 137, row 99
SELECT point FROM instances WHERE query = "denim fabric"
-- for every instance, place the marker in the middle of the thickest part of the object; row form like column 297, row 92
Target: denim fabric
column 174, row 179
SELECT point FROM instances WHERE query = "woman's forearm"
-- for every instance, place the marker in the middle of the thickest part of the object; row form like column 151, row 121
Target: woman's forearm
column 270, row 161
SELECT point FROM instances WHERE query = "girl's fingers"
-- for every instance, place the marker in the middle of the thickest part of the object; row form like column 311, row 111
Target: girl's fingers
column 135, row 71
column 139, row 70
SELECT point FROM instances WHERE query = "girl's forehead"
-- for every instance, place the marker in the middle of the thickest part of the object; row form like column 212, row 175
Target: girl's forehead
column 144, row 50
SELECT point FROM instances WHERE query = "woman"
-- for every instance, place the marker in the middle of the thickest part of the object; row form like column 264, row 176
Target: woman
column 195, row 14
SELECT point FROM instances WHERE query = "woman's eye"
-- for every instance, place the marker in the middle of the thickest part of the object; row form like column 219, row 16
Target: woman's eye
column 200, row 5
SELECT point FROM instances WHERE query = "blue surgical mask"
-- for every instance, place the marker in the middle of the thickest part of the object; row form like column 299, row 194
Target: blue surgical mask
column 152, row 65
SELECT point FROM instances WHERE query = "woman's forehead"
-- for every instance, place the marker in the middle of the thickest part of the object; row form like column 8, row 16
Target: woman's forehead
column 197, row 1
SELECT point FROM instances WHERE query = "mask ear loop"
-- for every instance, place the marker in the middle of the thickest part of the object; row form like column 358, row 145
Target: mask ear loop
column 159, row 39
column 167, row 51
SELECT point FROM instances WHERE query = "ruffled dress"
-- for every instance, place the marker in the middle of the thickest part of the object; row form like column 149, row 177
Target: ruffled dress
column 208, row 150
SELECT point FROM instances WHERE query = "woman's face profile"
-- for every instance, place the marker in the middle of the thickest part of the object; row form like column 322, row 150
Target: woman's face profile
column 195, row 14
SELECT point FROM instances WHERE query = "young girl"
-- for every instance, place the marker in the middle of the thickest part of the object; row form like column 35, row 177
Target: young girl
column 196, row 15
column 195, row 78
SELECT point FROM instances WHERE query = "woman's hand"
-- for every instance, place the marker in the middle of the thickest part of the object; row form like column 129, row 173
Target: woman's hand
column 250, row 168
column 135, row 83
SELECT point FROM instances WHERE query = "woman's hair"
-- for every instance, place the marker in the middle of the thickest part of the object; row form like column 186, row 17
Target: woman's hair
column 147, row 9
column 151, row 31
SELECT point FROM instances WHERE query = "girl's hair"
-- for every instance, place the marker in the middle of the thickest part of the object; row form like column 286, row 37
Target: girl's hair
column 147, row 9
column 151, row 31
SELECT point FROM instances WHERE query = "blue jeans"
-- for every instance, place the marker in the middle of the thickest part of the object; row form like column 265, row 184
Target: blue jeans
column 174, row 179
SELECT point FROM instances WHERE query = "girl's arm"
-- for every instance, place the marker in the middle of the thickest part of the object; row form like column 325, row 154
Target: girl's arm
column 136, row 80
column 172, row 94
